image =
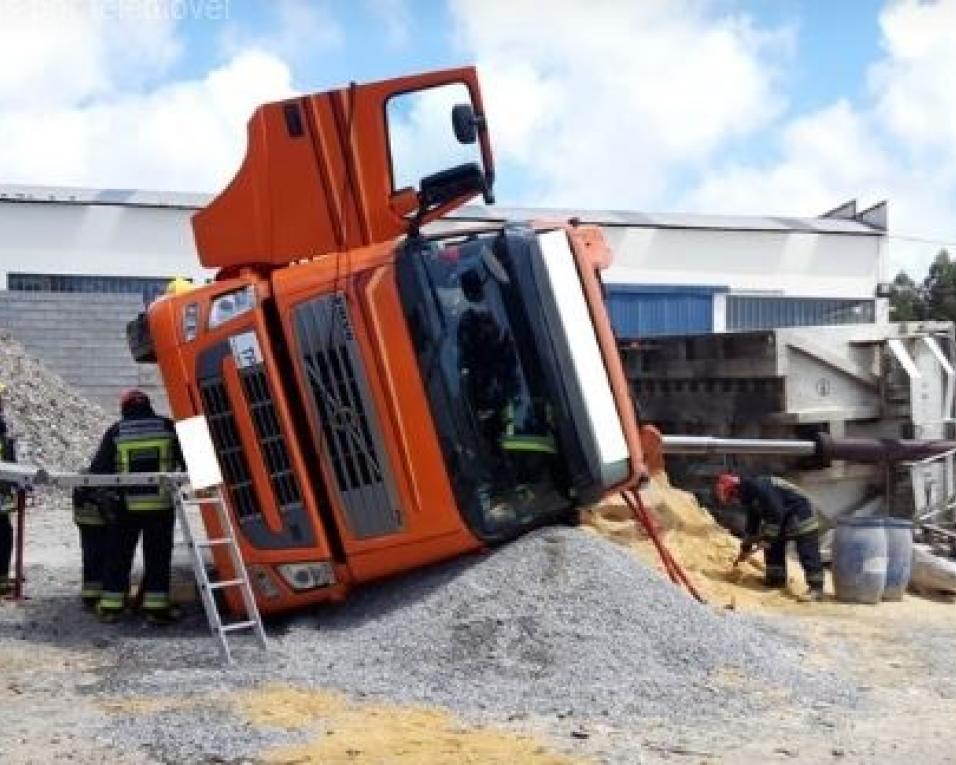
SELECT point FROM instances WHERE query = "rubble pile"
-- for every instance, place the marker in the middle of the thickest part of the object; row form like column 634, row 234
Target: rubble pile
column 53, row 426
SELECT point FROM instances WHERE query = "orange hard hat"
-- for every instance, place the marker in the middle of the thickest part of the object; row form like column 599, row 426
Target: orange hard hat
column 726, row 487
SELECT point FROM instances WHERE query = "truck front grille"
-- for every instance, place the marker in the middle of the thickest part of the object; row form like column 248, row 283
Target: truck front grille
column 265, row 420
column 343, row 407
column 225, row 437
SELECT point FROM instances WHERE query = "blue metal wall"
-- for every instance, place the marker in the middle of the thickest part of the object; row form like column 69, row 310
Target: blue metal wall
column 647, row 310
column 758, row 312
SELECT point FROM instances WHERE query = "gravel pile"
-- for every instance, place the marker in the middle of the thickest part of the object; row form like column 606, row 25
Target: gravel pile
column 559, row 622
column 560, row 628
column 54, row 426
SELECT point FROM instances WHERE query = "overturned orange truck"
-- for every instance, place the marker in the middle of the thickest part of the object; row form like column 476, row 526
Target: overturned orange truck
column 380, row 396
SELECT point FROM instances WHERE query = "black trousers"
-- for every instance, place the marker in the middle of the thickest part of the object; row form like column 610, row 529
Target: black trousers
column 157, row 531
column 6, row 545
column 94, row 546
column 808, row 550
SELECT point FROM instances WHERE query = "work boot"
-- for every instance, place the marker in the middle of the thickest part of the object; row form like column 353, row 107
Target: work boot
column 108, row 615
column 160, row 617
column 815, row 595
column 89, row 601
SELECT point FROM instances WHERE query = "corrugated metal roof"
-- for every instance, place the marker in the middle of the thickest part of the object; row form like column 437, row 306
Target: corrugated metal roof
column 628, row 219
column 609, row 218
column 86, row 196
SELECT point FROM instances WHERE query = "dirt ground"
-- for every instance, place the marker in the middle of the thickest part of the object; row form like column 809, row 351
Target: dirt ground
column 54, row 704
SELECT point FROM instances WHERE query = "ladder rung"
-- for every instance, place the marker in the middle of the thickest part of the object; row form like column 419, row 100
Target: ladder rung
column 212, row 542
column 237, row 626
column 226, row 583
column 202, row 501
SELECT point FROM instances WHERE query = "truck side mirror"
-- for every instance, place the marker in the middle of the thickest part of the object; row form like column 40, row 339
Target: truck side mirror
column 441, row 187
column 466, row 123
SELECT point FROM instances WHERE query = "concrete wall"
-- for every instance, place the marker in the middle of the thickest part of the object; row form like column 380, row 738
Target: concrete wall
column 83, row 339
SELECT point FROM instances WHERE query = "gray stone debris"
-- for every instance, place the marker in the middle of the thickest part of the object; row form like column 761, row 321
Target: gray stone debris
column 54, row 427
column 560, row 628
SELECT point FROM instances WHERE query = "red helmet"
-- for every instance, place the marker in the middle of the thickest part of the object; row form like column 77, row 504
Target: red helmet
column 132, row 397
column 727, row 487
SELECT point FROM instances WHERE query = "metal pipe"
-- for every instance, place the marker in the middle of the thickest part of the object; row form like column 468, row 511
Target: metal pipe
column 881, row 449
column 824, row 447
column 712, row 445
column 23, row 475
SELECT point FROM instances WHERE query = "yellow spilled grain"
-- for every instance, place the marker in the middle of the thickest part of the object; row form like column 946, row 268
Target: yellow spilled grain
column 703, row 548
column 347, row 732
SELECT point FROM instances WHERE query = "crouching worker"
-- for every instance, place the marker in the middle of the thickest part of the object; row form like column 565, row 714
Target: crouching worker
column 140, row 442
column 777, row 512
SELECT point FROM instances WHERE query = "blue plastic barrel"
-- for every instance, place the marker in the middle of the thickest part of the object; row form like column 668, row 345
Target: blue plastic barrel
column 899, row 556
column 859, row 560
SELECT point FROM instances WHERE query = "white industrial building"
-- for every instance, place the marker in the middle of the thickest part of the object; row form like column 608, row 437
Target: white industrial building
column 672, row 273
column 80, row 261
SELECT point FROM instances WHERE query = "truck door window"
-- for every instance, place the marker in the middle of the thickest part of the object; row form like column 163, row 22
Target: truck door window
column 420, row 135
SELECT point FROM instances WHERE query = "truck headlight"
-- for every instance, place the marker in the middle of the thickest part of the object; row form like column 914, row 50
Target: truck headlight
column 231, row 304
column 307, row 576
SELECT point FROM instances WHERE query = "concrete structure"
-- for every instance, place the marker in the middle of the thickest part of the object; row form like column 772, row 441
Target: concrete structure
column 889, row 380
column 672, row 273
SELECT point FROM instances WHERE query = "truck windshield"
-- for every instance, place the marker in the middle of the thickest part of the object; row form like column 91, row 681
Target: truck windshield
column 495, row 416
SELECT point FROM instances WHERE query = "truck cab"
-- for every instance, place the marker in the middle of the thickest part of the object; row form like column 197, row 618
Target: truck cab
column 382, row 392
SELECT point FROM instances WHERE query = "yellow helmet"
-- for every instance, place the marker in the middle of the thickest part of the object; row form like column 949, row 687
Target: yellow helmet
column 178, row 286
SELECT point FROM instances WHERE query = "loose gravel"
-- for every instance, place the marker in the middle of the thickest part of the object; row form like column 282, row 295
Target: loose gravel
column 54, row 427
column 557, row 628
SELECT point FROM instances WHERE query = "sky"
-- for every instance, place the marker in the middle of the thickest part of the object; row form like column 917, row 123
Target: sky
column 707, row 106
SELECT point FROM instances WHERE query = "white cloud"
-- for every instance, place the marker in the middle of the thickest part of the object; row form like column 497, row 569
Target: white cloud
column 898, row 144
column 396, row 17
column 301, row 30
column 81, row 107
column 603, row 103
column 67, row 51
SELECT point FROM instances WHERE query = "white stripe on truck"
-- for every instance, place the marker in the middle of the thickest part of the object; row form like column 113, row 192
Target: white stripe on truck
column 582, row 341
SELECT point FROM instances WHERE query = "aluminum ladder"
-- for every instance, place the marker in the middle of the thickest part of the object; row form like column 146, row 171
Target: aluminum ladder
column 185, row 499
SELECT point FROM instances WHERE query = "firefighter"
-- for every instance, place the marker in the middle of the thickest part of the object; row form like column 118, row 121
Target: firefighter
column 7, row 504
column 90, row 514
column 777, row 512
column 516, row 429
column 141, row 441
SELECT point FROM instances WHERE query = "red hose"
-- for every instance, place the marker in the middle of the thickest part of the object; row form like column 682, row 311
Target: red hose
column 674, row 570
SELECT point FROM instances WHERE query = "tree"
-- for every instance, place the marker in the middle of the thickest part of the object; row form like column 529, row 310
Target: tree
column 907, row 301
column 939, row 288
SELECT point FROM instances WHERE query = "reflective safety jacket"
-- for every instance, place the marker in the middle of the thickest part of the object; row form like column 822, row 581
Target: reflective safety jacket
column 776, row 509
column 140, row 443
